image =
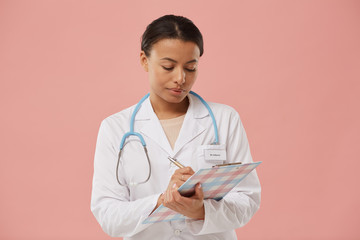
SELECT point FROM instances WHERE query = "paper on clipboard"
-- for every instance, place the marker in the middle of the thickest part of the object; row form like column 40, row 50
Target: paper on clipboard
column 216, row 182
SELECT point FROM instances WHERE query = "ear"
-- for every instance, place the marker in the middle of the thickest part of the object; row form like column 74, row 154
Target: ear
column 144, row 61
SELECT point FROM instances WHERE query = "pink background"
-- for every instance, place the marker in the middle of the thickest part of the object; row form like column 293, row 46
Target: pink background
column 290, row 68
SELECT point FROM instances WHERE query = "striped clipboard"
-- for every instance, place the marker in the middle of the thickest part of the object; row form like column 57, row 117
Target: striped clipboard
column 216, row 182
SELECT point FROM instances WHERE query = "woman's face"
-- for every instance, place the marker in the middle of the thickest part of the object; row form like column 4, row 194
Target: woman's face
column 172, row 67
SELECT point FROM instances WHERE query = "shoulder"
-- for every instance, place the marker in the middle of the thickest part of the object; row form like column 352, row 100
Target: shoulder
column 118, row 120
column 219, row 109
column 227, row 118
column 223, row 110
column 121, row 115
column 222, row 107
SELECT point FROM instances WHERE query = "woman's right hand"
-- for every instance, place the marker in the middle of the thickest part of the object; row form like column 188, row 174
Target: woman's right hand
column 177, row 179
column 190, row 206
column 180, row 176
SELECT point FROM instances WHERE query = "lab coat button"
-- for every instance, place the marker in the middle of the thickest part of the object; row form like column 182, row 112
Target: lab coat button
column 177, row 232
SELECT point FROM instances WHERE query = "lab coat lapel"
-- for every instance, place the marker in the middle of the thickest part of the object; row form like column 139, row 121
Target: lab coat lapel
column 190, row 129
column 191, row 126
column 151, row 126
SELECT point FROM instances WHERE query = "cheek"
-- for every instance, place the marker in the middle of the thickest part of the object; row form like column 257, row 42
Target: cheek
column 158, row 75
column 192, row 78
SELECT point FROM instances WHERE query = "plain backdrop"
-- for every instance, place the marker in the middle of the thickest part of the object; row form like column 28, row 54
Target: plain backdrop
column 290, row 68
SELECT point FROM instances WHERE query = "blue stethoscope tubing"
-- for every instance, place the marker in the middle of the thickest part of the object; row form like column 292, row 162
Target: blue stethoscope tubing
column 133, row 133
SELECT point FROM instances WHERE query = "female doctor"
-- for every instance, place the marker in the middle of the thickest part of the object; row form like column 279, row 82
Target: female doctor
column 173, row 122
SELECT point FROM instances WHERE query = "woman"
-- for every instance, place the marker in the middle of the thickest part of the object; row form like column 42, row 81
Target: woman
column 173, row 123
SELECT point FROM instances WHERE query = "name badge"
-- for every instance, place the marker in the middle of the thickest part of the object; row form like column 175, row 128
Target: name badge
column 212, row 154
column 215, row 155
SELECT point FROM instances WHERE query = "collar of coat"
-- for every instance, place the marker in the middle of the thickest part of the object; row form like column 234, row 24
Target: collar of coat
column 190, row 129
column 196, row 109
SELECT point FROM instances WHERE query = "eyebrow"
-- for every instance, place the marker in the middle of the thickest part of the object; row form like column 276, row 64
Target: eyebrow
column 172, row 60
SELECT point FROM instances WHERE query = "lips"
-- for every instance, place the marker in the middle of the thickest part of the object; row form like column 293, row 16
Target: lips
column 176, row 91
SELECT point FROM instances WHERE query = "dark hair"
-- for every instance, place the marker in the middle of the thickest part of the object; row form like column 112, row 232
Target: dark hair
column 173, row 27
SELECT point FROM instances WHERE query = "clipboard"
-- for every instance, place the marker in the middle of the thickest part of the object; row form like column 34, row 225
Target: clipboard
column 216, row 182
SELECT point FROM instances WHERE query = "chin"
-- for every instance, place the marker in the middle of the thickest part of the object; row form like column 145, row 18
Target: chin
column 177, row 98
column 173, row 99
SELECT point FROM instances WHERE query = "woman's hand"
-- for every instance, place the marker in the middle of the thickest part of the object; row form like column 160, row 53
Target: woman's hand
column 192, row 207
column 180, row 176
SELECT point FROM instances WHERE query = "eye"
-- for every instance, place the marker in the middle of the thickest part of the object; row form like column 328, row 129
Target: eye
column 191, row 70
column 168, row 69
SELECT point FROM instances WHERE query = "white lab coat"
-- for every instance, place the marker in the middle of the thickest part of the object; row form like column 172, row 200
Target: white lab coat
column 121, row 210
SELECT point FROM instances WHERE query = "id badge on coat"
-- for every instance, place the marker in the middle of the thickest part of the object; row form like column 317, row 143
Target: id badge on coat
column 213, row 154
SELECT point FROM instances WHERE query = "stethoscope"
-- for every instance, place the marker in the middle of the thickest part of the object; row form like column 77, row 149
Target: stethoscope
column 132, row 133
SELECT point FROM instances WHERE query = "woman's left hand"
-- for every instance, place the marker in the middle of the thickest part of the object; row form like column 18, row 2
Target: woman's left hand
column 192, row 207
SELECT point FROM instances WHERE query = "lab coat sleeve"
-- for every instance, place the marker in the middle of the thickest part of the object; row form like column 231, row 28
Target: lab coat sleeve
column 238, row 206
column 110, row 204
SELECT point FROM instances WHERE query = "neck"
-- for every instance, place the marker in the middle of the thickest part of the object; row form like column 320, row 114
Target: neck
column 166, row 110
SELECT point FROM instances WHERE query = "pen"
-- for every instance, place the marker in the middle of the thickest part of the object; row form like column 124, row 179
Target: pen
column 173, row 160
column 227, row 164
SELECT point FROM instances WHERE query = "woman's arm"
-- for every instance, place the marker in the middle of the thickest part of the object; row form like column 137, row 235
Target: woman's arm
column 237, row 207
column 110, row 202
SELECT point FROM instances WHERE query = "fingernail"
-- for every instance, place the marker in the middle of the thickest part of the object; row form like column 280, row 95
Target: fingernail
column 199, row 185
column 174, row 185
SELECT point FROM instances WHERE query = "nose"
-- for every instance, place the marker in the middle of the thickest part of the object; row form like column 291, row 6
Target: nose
column 180, row 77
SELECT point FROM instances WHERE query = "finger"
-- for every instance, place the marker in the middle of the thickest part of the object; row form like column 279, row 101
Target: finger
column 199, row 194
column 179, row 183
column 168, row 197
column 185, row 170
column 162, row 197
column 165, row 196
column 178, row 200
column 180, row 177
column 175, row 200
column 186, row 177
column 174, row 188
column 180, row 180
